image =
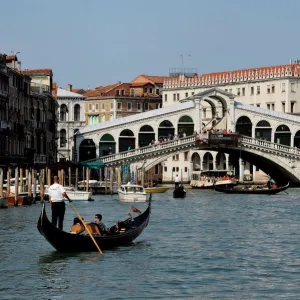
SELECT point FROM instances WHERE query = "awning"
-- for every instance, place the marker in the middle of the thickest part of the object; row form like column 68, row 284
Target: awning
column 93, row 164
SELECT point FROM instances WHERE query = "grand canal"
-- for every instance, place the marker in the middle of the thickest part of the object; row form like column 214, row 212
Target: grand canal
column 212, row 246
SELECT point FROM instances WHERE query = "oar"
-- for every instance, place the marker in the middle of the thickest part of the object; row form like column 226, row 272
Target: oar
column 97, row 246
column 188, row 190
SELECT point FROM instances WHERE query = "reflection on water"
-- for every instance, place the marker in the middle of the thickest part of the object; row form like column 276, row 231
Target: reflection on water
column 211, row 246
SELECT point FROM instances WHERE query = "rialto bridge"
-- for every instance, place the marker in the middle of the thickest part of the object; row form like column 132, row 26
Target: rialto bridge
column 270, row 139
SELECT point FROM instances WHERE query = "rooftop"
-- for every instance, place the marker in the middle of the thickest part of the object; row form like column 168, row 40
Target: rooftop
column 64, row 93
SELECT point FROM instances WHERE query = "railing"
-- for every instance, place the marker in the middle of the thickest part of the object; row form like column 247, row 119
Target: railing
column 157, row 148
column 270, row 145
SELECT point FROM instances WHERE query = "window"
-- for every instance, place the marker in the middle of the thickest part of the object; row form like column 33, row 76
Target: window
column 268, row 106
column 103, row 106
column 150, row 90
column 243, row 91
column 166, row 98
column 258, row 90
column 226, row 90
column 252, row 90
column 90, row 106
column 257, row 105
column 145, row 90
column 273, row 106
column 132, row 92
column 283, row 87
column 292, row 107
column 146, row 106
column 117, row 92
column 119, row 105
column 273, row 88
column 122, row 92
column 293, row 87
column 186, row 156
column 268, row 89
column 139, row 106
column 186, row 95
column 174, row 97
column 111, row 106
column 157, row 92
column 230, row 90
column 177, row 97
column 193, row 93
column 129, row 106
column 165, row 169
column 173, row 169
column 177, row 169
column 185, row 169
column 156, row 169
column 176, row 157
column 283, row 107
column 97, row 106
column 238, row 91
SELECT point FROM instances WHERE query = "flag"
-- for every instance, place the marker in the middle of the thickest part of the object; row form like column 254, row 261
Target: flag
column 135, row 210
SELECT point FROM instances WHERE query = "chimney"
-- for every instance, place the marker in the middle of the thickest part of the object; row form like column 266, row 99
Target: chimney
column 19, row 66
column 69, row 87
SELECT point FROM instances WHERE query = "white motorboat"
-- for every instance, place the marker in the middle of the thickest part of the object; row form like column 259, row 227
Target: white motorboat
column 132, row 193
column 75, row 194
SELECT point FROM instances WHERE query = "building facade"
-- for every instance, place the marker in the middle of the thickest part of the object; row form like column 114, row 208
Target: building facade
column 71, row 118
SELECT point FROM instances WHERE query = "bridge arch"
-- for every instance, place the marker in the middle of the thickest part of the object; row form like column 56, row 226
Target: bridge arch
column 165, row 128
column 283, row 135
column 126, row 140
column 244, row 126
column 263, row 130
column 87, row 150
column 146, row 135
column 196, row 161
column 297, row 139
column 185, row 125
column 107, row 145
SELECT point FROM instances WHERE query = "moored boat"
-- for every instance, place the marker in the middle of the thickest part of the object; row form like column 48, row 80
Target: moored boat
column 3, row 202
column 132, row 193
column 123, row 233
column 244, row 190
column 75, row 195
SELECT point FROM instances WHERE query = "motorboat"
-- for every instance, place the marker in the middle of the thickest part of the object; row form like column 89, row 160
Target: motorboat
column 153, row 190
column 132, row 193
column 99, row 187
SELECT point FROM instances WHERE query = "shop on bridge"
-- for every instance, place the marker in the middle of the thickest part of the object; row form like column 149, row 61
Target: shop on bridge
column 126, row 140
column 107, row 145
column 146, row 135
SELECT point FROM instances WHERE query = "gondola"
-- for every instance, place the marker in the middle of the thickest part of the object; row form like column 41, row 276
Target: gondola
column 179, row 192
column 121, row 234
column 262, row 191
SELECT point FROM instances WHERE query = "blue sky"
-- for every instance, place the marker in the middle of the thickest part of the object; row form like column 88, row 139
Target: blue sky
column 94, row 42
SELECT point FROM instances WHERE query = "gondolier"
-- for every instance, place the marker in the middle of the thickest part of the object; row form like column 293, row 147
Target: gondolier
column 177, row 181
column 57, row 196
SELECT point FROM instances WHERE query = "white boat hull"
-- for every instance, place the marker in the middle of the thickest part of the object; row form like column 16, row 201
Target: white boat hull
column 133, row 197
column 78, row 195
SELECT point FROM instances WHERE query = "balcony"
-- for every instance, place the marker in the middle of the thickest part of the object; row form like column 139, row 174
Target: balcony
column 40, row 158
column 39, row 88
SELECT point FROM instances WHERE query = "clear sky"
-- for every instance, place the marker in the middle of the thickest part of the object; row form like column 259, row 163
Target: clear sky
column 96, row 42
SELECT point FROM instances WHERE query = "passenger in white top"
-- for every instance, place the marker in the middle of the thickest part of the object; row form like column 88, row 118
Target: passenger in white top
column 57, row 194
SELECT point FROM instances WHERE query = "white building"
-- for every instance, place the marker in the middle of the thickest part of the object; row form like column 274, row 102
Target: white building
column 275, row 88
column 71, row 118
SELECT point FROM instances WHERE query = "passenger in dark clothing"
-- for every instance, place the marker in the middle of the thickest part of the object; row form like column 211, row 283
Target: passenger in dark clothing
column 102, row 227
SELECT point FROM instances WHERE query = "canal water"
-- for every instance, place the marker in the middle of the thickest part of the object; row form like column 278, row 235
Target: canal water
column 207, row 246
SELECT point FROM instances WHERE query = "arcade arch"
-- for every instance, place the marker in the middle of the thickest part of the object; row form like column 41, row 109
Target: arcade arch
column 244, row 126
column 87, row 150
column 146, row 135
column 165, row 128
column 297, row 139
column 283, row 135
column 196, row 161
column 185, row 126
column 263, row 130
column 107, row 145
column 126, row 140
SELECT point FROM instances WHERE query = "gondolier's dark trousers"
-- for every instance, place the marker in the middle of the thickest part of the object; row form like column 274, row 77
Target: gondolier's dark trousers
column 58, row 213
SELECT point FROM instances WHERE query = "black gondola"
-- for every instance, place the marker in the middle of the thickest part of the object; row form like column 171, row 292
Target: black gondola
column 122, row 234
column 262, row 191
column 179, row 192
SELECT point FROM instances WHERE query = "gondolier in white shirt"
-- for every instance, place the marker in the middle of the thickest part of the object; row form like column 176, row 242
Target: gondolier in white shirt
column 177, row 181
column 57, row 195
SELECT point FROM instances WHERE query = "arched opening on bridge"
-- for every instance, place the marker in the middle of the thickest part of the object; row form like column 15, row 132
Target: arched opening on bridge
column 126, row 140
column 263, row 131
column 207, row 162
column 196, row 162
column 283, row 135
column 185, row 126
column 244, row 126
column 165, row 129
column 146, row 135
column 87, row 150
column 297, row 139
column 221, row 161
column 107, row 145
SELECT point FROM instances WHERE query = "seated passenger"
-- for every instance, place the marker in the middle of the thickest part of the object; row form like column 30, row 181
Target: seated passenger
column 77, row 226
column 102, row 227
